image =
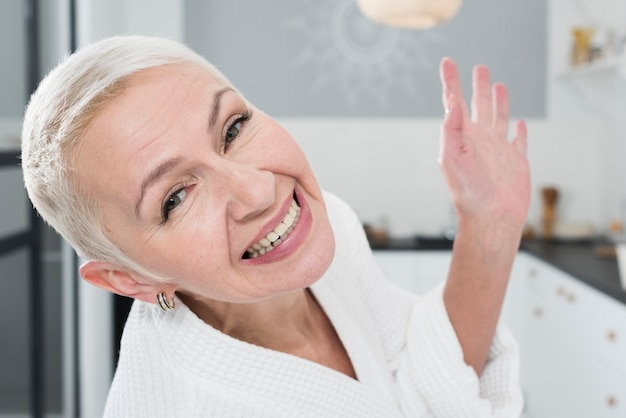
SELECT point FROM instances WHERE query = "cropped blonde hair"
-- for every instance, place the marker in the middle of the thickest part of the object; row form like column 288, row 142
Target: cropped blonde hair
column 57, row 115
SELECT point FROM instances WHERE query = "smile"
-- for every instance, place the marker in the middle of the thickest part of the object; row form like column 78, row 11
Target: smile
column 277, row 235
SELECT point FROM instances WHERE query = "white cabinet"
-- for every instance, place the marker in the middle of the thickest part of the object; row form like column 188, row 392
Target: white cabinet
column 572, row 338
column 573, row 345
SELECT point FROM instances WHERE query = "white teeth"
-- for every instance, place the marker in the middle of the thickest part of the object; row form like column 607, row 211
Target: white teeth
column 272, row 236
column 275, row 237
column 281, row 228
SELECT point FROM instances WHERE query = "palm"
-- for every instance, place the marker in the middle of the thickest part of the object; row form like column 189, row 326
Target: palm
column 487, row 176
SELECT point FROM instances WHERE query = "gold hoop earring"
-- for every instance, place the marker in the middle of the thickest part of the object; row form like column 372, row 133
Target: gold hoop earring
column 164, row 304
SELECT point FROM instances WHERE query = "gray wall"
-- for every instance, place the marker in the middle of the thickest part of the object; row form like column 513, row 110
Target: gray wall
column 14, row 218
column 15, row 266
column 13, row 73
column 14, row 324
column 321, row 58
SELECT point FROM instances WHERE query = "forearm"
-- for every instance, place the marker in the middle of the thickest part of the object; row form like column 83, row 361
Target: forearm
column 489, row 182
column 482, row 259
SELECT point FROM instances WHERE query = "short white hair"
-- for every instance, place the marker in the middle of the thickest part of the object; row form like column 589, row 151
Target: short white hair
column 56, row 118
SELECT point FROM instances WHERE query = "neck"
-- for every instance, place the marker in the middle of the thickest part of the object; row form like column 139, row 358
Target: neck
column 282, row 322
column 291, row 322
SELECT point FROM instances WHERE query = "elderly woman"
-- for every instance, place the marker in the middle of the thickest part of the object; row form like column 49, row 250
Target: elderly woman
column 256, row 292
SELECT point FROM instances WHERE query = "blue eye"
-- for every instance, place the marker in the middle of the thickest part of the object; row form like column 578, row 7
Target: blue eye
column 233, row 131
column 172, row 202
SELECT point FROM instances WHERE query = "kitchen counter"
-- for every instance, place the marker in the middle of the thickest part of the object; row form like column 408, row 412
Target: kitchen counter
column 580, row 259
column 417, row 243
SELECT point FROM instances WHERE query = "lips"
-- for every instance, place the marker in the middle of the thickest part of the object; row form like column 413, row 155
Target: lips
column 276, row 236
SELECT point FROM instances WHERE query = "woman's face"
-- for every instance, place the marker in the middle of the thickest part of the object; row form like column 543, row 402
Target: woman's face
column 194, row 183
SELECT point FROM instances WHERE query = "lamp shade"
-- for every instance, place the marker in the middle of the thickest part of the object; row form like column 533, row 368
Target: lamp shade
column 411, row 14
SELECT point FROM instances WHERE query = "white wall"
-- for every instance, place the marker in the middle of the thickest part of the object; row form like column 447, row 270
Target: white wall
column 388, row 169
column 97, row 19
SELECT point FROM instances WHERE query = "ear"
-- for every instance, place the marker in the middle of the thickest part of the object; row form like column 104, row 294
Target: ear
column 115, row 279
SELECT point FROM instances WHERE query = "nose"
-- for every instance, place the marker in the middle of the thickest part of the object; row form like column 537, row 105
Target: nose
column 251, row 190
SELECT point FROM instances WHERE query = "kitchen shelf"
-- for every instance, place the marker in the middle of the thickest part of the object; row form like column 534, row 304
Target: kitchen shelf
column 613, row 63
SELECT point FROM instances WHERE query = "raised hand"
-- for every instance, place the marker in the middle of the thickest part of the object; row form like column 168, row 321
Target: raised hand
column 489, row 181
column 487, row 175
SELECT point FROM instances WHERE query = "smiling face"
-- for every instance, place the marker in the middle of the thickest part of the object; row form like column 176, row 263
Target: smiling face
column 194, row 184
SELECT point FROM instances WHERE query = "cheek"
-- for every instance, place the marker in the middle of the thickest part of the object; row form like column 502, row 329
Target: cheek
column 177, row 251
column 278, row 142
column 299, row 166
column 327, row 246
column 317, row 261
column 189, row 247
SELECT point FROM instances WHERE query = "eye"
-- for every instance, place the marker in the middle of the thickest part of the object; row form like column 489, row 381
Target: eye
column 234, row 129
column 172, row 202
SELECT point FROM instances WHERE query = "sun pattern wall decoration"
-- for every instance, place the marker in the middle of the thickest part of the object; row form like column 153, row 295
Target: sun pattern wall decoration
column 324, row 58
column 363, row 59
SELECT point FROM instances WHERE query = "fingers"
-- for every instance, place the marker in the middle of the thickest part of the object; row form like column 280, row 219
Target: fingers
column 519, row 139
column 489, row 104
column 500, row 109
column 453, row 122
column 451, row 130
column 481, row 98
column 451, row 84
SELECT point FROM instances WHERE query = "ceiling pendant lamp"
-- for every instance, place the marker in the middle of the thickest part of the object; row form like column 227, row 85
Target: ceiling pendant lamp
column 409, row 14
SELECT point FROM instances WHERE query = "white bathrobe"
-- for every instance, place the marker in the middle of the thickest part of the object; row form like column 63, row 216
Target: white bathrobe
column 403, row 348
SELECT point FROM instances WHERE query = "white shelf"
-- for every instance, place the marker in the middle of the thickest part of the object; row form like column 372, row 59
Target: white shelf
column 608, row 64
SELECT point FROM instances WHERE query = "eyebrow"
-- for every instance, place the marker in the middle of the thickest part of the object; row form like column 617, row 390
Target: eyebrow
column 217, row 102
column 154, row 176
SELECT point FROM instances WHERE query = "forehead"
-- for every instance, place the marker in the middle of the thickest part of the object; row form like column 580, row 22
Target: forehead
column 126, row 130
column 147, row 98
column 164, row 83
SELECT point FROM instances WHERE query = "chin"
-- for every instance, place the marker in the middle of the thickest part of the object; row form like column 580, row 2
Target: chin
column 318, row 266
column 307, row 271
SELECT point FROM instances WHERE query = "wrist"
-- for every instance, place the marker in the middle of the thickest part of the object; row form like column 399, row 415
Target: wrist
column 487, row 240
column 490, row 229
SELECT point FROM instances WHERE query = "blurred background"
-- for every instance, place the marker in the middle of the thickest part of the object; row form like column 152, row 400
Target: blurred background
column 363, row 100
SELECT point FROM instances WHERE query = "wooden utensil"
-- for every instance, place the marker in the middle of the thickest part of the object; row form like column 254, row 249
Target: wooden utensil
column 550, row 197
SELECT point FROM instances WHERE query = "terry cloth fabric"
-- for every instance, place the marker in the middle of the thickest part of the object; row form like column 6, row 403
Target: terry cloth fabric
column 403, row 348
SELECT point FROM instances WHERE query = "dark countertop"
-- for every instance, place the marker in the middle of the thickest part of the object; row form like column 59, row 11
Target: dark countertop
column 580, row 259
column 419, row 243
